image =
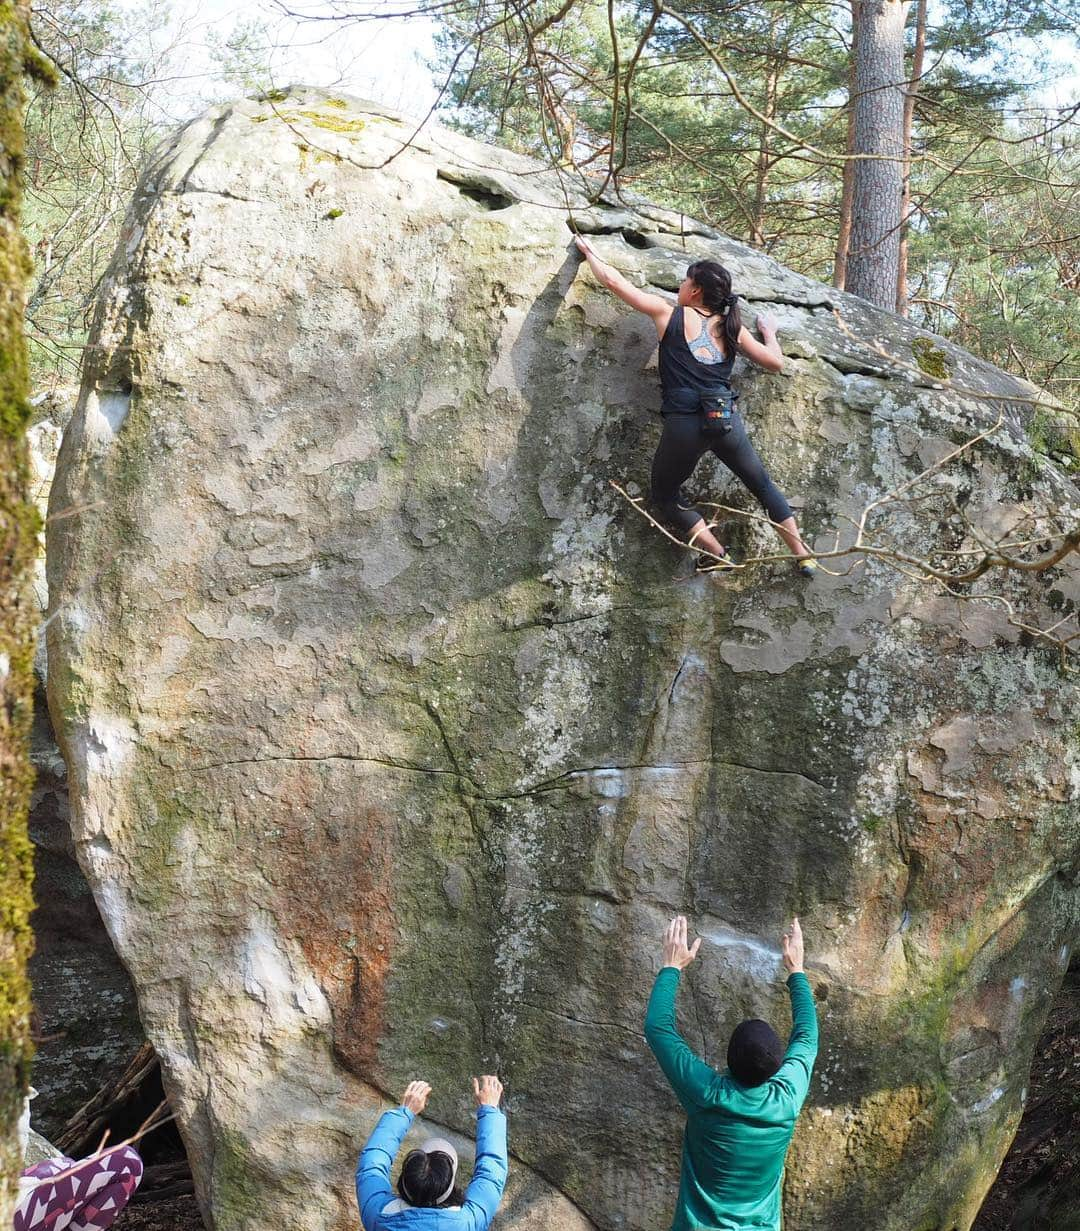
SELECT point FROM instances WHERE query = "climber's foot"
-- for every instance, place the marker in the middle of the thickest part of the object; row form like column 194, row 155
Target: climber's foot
column 806, row 566
column 706, row 562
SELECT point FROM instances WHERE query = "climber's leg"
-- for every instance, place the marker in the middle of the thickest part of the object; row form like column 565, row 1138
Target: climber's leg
column 739, row 456
column 679, row 451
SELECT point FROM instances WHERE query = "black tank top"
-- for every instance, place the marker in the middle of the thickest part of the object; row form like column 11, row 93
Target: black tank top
column 683, row 379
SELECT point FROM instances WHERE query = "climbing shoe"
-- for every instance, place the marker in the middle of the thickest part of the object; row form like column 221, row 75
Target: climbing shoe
column 806, row 566
column 706, row 563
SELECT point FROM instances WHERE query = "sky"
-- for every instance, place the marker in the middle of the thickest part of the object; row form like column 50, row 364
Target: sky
column 382, row 60
column 386, row 60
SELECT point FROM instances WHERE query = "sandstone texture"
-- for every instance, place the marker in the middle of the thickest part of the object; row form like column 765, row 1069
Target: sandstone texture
column 86, row 1018
column 395, row 735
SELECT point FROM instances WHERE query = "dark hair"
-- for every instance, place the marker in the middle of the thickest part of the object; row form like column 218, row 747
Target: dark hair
column 714, row 282
column 754, row 1052
column 425, row 1177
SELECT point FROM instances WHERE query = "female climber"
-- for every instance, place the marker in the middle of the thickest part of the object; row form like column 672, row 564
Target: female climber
column 427, row 1197
column 699, row 339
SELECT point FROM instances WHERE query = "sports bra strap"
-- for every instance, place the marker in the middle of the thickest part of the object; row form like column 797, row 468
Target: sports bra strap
column 706, row 339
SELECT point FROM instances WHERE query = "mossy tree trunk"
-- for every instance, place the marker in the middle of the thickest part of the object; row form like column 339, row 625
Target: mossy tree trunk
column 17, row 614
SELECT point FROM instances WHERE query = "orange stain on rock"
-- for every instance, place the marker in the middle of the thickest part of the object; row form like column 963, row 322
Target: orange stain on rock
column 335, row 898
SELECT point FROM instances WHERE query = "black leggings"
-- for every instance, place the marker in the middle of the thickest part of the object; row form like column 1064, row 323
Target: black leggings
column 683, row 444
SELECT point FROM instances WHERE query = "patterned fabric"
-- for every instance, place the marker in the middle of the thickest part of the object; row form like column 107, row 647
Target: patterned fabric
column 87, row 1197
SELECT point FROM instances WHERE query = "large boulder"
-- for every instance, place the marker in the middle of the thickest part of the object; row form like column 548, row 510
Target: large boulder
column 395, row 734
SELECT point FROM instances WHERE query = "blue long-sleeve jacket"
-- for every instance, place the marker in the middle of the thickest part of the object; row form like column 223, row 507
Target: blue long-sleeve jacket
column 374, row 1194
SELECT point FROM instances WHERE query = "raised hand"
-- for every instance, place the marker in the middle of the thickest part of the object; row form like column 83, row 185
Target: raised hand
column 416, row 1096
column 676, row 952
column 488, row 1090
column 766, row 323
column 584, row 246
column 791, row 946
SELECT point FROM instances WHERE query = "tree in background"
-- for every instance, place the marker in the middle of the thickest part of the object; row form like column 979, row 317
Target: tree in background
column 765, row 119
column 18, row 612
column 243, row 55
column 741, row 112
column 877, row 190
column 86, row 142
column 994, row 253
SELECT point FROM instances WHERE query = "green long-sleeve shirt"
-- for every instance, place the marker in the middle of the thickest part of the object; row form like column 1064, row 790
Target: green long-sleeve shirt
column 736, row 1136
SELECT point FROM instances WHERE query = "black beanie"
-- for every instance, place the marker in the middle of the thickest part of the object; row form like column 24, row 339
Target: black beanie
column 754, row 1052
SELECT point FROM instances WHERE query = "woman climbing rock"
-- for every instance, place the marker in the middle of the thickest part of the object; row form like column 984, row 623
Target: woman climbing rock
column 699, row 339
column 428, row 1198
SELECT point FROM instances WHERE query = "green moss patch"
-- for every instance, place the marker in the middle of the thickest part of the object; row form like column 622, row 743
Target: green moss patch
column 331, row 123
column 931, row 358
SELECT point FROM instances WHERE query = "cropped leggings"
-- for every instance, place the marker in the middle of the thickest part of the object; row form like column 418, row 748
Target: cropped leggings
column 682, row 445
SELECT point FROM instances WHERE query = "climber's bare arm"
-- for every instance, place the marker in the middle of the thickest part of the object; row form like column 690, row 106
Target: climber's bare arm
column 766, row 353
column 641, row 301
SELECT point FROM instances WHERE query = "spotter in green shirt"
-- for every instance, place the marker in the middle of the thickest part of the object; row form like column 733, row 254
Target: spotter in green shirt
column 736, row 1136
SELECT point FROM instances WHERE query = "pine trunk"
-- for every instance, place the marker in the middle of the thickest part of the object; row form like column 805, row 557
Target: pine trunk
column 843, row 237
column 878, row 179
column 917, row 60
column 765, row 154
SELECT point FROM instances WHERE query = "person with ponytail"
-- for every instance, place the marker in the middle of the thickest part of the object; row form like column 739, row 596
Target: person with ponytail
column 700, row 337
column 428, row 1197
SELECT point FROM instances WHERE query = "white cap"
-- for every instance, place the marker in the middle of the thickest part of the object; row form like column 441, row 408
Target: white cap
column 439, row 1145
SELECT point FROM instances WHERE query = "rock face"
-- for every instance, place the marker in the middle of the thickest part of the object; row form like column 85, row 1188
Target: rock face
column 85, row 1008
column 85, row 1012
column 395, row 735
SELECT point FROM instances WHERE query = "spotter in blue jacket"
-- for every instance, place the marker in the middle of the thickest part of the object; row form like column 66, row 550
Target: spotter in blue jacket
column 382, row 1210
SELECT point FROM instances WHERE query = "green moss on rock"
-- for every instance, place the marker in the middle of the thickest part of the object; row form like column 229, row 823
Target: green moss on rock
column 1054, row 437
column 931, row 358
column 331, row 123
column 237, row 1192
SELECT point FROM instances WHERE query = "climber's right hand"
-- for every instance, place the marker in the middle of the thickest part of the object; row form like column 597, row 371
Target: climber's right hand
column 677, row 952
column 584, row 247
column 488, row 1090
column 416, row 1096
column 791, row 946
